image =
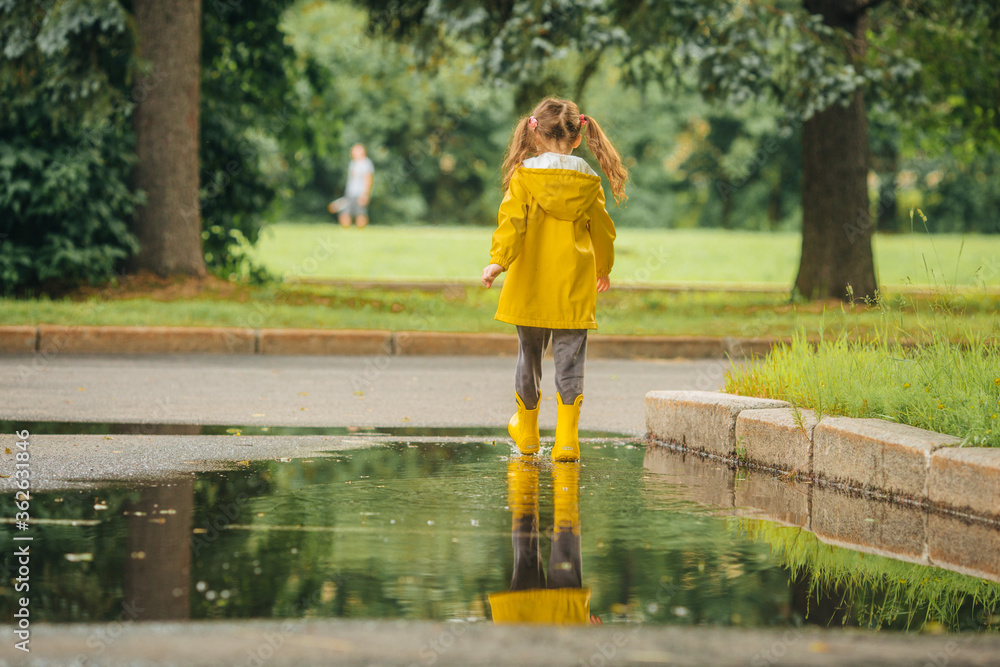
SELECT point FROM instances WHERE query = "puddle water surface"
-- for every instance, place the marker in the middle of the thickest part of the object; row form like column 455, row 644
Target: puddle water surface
column 437, row 531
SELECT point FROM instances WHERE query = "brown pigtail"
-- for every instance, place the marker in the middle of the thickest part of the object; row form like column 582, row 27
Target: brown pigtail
column 559, row 122
column 607, row 157
column 518, row 148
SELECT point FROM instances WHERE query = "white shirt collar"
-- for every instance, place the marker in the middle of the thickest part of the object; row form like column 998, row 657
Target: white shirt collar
column 559, row 161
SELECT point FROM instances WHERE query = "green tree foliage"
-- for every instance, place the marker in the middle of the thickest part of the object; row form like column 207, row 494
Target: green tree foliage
column 67, row 145
column 257, row 106
column 803, row 57
column 435, row 136
column 65, row 142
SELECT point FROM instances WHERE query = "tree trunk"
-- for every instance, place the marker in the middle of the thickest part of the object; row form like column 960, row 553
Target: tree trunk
column 837, row 226
column 166, row 128
column 157, row 577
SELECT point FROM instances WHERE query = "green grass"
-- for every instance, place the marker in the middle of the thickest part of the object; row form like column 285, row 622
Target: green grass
column 319, row 251
column 949, row 383
column 472, row 309
column 881, row 592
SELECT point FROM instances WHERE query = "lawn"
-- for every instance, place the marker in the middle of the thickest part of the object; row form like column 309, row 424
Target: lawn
column 319, row 251
column 471, row 308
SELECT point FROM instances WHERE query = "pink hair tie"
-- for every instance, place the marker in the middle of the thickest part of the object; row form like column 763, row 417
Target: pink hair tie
column 583, row 120
column 532, row 122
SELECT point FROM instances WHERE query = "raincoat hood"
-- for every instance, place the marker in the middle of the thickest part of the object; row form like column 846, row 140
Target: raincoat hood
column 564, row 186
column 555, row 239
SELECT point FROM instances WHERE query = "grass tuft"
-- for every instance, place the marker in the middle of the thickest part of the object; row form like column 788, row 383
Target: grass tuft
column 936, row 372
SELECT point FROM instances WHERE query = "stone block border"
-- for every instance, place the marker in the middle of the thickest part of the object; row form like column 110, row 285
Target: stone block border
column 53, row 340
column 873, row 457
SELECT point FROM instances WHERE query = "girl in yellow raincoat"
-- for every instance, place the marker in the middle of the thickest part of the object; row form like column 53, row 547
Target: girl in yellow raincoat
column 555, row 240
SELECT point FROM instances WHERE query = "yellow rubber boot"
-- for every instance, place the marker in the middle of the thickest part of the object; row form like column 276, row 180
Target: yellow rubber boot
column 567, row 445
column 523, row 427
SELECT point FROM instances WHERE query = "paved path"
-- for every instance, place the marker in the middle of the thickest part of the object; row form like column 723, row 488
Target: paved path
column 356, row 643
column 323, row 391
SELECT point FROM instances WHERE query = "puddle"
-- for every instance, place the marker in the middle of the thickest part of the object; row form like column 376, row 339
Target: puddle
column 429, row 531
column 96, row 428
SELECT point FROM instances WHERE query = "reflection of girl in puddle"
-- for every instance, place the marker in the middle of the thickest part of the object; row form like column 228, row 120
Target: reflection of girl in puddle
column 534, row 596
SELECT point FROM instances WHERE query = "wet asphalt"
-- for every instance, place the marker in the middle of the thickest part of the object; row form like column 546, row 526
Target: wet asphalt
column 324, row 391
column 351, row 392
column 191, row 390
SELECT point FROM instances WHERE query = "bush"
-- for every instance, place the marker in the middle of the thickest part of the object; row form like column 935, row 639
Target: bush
column 65, row 144
column 65, row 202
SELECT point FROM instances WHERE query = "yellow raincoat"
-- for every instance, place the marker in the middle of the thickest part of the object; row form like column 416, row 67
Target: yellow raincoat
column 554, row 238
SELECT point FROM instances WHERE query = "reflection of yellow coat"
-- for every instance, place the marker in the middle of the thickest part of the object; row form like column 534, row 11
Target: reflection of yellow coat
column 556, row 606
column 555, row 239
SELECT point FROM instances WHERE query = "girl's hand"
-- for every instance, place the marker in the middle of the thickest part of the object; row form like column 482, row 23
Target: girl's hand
column 603, row 284
column 490, row 274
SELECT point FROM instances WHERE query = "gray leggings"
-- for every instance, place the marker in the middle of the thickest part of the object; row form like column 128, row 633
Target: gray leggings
column 569, row 349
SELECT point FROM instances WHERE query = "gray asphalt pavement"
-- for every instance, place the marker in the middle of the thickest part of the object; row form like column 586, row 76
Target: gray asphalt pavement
column 324, row 391
column 423, row 643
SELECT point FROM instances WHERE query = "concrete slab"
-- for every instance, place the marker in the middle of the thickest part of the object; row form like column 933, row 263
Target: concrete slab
column 761, row 495
column 966, row 479
column 969, row 547
column 699, row 479
column 353, row 643
column 601, row 346
column 876, row 455
column 438, row 343
column 323, row 342
column 780, row 438
column 85, row 461
column 18, row 339
column 875, row 527
column 750, row 348
column 54, row 340
column 701, row 420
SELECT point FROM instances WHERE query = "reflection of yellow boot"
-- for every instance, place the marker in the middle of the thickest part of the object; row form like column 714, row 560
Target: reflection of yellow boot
column 566, row 497
column 522, row 494
column 565, row 562
column 561, row 601
column 567, row 446
column 523, row 427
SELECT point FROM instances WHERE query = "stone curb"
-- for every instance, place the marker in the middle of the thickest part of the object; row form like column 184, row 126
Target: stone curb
column 871, row 456
column 58, row 339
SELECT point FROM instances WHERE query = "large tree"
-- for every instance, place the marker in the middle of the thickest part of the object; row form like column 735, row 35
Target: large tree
column 836, row 259
column 166, row 124
column 810, row 56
